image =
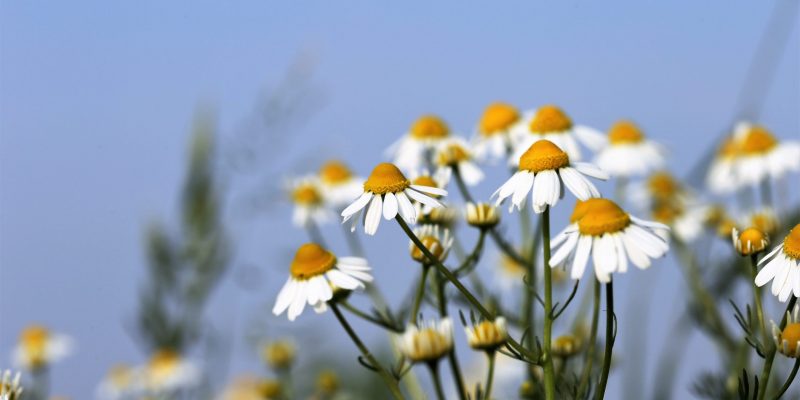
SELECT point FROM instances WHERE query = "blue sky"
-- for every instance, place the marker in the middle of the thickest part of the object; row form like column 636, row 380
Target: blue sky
column 96, row 101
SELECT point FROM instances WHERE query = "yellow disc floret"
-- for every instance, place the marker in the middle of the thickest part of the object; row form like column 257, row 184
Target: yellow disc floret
column 428, row 345
column 433, row 245
column 335, row 172
column 386, row 178
column 728, row 149
column 666, row 212
column 581, row 207
column 751, row 241
column 550, row 119
column 497, row 118
column 429, row 127
column 306, row 194
column 452, row 154
column 163, row 364
column 543, row 155
column 791, row 334
column 603, row 216
column 758, row 140
column 791, row 245
column 663, row 186
column 625, row 132
column 311, row 260
column 34, row 342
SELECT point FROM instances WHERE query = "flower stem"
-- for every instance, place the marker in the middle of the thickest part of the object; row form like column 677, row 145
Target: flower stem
column 601, row 386
column 587, row 367
column 757, row 299
column 437, row 381
column 490, row 375
column 789, row 380
column 388, row 325
column 549, row 373
column 763, row 381
column 451, row 356
column 389, row 380
column 412, row 318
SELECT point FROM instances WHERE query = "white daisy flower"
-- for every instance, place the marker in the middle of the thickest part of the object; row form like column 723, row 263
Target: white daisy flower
column 761, row 156
column 628, row 153
column 750, row 241
column 487, row 335
column 119, row 383
column 454, row 152
column 612, row 237
column 551, row 123
column 492, row 139
column 543, row 171
column 39, row 347
column 413, row 150
column 309, row 205
column 782, row 267
column 721, row 177
column 313, row 272
column 10, row 388
column 167, row 371
column 437, row 241
column 389, row 193
column 338, row 184
column 482, row 215
column 660, row 187
column 788, row 340
column 427, row 343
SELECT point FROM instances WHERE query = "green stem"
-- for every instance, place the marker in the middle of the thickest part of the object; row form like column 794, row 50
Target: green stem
column 461, row 288
column 363, row 315
column 789, row 380
column 437, row 381
column 490, row 375
column 388, row 379
column 587, row 368
column 601, row 386
column 528, row 309
column 757, row 299
column 770, row 356
column 451, row 356
column 412, row 318
column 549, row 373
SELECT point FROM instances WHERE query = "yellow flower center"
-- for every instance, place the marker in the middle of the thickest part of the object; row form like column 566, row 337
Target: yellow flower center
column 757, row 141
column 581, row 207
column 306, row 194
column 34, row 341
column 311, row 260
column 487, row 334
column 432, row 244
column 278, row 355
column 334, row 172
column 497, row 118
column 625, row 132
column 428, row 345
column 386, row 178
column 728, row 148
column 791, row 245
column 791, row 334
column 429, row 127
column 453, row 154
column 603, row 216
column 752, row 241
column 663, row 186
column 666, row 212
column 163, row 364
column 550, row 119
column 543, row 155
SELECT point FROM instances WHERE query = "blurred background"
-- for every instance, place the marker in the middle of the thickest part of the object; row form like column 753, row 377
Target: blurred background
column 98, row 101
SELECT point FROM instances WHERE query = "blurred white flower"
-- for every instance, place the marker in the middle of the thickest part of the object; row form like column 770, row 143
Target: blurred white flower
column 551, row 123
column 39, row 347
column 492, row 139
column 628, row 153
column 413, row 150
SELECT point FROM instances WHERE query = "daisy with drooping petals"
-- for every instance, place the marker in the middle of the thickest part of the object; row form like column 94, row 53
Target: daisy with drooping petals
column 39, row 347
column 167, row 371
column 782, row 267
column 312, row 275
column 437, row 241
column 10, row 388
column 454, row 153
column 551, row 123
column 492, row 139
column 750, row 241
column 338, row 185
column 487, row 335
column 414, row 149
column 628, row 152
column 788, row 340
column 389, row 193
column 543, row 170
column 612, row 237
column 761, row 156
column 427, row 343
column 309, row 205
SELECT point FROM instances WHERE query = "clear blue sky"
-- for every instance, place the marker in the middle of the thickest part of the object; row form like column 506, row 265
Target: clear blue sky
column 96, row 99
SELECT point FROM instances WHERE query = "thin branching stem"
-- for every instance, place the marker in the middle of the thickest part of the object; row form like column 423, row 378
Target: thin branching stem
column 451, row 356
column 412, row 318
column 549, row 372
column 789, row 380
column 437, row 379
column 587, row 367
column 367, row 317
column 490, row 374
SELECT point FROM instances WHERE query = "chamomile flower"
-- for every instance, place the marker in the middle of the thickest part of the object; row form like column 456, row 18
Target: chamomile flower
column 487, row 335
column 543, row 170
column 761, row 156
column 429, row 342
column 389, row 193
column 167, row 371
column 686, row 221
column 414, row 149
column 750, row 241
column 782, row 267
column 437, row 180
column 338, row 185
column 312, row 274
column 482, row 215
column 309, row 205
column 788, row 340
column 628, row 153
column 39, row 347
column 551, row 123
column 454, row 153
column 721, row 177
column 10, row 388
column 660, row 188
column 612, row 237
column 119, row 383
column 492, row 139
column 437, row 241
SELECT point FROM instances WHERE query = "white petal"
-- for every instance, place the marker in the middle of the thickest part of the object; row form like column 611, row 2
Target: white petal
column 429, row 190
column 521, row 188
column 622, row 259
column 299, row 301
column 285, row 296
column 342, row 280
column 565, row 250
column 582, row 252
column 574, row 181
column 422, row 198
column 781, row 276
column 590, row 170
column 507, row 188
column 637, row 256
column 389, row 206
column 768, row 272
column 373, row 216
column 357, row 205
column 406, row 209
